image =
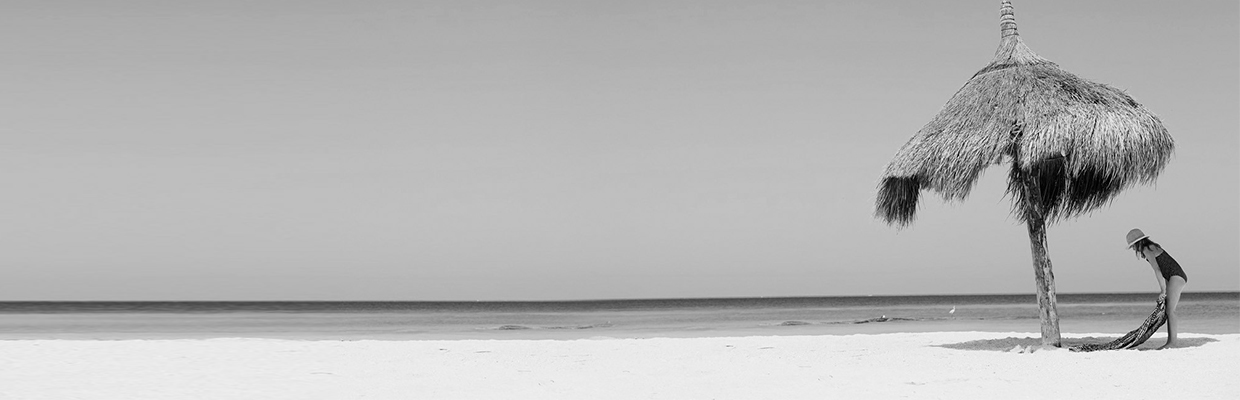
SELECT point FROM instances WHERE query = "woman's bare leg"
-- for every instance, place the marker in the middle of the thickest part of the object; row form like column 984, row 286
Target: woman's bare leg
column 1175, row 286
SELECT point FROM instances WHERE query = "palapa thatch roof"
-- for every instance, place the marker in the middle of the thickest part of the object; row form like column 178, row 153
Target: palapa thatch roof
column 1082, row 142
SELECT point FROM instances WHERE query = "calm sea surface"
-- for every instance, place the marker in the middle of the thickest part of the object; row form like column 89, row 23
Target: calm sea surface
column 1080, row 313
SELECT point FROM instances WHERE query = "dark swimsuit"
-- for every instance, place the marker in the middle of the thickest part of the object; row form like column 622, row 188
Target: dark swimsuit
column 1169, row 267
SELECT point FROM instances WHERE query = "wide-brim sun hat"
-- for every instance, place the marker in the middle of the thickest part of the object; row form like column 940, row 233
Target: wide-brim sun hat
column 1135, row 235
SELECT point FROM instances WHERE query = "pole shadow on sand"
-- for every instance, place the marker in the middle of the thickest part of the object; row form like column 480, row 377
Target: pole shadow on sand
column 1009, row 343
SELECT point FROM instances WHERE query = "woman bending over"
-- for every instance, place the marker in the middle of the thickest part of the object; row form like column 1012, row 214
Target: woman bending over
column 1167, row 272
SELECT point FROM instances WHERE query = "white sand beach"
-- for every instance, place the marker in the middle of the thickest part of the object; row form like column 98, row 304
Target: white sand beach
column 885, row 366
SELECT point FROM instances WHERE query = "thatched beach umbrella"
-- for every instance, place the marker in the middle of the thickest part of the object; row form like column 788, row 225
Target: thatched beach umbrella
column 1071, row 144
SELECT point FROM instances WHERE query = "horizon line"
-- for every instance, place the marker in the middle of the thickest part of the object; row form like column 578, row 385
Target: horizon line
column 600, row 300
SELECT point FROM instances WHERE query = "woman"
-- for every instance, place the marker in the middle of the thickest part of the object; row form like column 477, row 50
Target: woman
column 1170, row 276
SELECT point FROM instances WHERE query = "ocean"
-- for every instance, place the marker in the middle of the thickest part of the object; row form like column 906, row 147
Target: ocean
column 1210, row 313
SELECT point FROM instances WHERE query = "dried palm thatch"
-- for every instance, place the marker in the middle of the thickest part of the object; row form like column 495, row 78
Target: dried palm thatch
column 1073, row 144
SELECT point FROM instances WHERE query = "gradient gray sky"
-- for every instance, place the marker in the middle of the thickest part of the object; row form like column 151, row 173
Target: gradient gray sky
column 536, row 150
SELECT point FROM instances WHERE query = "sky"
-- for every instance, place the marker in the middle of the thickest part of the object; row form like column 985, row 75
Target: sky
column 557, row 150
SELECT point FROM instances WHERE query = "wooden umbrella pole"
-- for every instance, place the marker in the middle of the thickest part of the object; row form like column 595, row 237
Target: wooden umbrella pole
column 1045, row 281
column 1044, row 278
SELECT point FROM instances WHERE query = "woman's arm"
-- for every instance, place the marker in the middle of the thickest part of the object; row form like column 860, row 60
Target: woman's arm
column 1162, row 282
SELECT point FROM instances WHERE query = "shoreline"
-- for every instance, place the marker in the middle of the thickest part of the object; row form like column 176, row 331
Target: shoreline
column 535, row 332
column 1105, row 313
column 1068, row 338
